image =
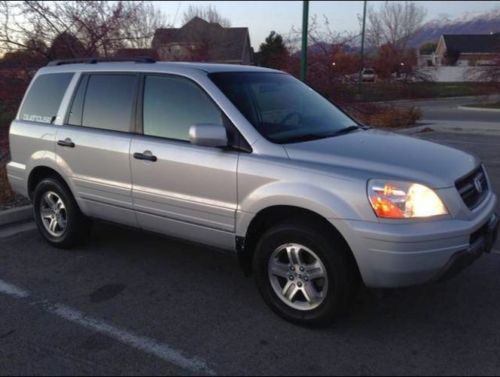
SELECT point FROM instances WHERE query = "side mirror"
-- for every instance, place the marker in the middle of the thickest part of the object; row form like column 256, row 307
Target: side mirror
column 208, row 135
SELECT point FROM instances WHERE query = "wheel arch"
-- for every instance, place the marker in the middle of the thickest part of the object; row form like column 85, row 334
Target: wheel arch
column 39, row 173
column 272, row 215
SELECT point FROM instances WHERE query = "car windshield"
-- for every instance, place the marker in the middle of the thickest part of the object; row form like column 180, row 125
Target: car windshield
column 281, row 108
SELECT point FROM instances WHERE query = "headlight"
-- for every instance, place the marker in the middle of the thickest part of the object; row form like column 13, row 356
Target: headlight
column 402, row 200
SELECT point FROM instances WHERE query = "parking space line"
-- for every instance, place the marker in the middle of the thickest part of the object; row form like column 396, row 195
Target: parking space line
column 12, row 290
column 147, row 345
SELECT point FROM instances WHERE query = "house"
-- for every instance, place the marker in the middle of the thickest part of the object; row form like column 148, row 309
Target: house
column 468, row 49
column 426, row 55
column 204, row 41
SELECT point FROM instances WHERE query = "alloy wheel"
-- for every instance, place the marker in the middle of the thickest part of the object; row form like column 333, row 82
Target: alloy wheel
column 53, row 214
column 298, row 276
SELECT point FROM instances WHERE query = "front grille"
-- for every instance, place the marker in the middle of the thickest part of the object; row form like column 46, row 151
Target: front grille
column 473, row 187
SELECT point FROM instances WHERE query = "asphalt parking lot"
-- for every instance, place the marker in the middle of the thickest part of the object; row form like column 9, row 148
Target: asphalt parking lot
column 137, row 303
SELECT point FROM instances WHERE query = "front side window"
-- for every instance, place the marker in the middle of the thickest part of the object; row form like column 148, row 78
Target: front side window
column 173, row 104
column 109, row 102
column 44, row 97
column 281, row 108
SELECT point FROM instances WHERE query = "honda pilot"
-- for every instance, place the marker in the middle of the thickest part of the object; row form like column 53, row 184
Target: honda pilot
column 253, row 161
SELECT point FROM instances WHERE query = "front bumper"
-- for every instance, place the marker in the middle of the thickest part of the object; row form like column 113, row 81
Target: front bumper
column 483, row 241
column 398, row 255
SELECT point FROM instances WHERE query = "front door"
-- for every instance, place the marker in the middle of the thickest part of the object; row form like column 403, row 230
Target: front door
column 181, row 189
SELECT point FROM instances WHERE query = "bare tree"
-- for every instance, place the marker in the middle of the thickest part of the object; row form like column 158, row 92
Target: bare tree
column 394, row 23
column 101, row 26
column 321, row 36
column 208, row 13
column 145, row 21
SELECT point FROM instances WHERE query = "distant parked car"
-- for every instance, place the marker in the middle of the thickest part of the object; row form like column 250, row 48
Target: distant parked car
column 368, row 75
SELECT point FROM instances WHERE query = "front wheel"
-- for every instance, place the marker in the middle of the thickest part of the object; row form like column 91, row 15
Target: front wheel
column 57, row 214
column 304, row 273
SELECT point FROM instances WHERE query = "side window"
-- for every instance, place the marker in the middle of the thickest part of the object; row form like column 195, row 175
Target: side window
column 109, row 102
column 44, row 98
column 173, row 104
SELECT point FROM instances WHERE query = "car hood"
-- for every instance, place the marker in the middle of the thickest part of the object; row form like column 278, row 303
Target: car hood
column 380, row 154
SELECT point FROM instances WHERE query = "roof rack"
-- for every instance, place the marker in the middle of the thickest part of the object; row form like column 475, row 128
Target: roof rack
column 143, row 59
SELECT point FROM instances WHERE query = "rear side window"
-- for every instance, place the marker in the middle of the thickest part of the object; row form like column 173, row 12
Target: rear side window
column 44, row 97
column 109, row 102
column 173, row 104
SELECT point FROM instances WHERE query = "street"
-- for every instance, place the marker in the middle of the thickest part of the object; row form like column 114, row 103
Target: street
column 448, row 110
column 136, row 303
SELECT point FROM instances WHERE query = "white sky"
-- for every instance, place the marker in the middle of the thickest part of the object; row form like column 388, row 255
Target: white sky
column 261, row 17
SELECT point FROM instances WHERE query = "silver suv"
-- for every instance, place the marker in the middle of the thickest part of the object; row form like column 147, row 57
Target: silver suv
column 253, row 161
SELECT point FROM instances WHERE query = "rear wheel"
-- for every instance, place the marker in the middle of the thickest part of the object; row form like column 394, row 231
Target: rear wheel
column 57, row 214
column 304, row 273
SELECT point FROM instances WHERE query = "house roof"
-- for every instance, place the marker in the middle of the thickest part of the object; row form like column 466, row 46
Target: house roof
column 473, row 43
column 223, row 44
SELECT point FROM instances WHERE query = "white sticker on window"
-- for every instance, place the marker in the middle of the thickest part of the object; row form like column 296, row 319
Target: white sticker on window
column 37, row 118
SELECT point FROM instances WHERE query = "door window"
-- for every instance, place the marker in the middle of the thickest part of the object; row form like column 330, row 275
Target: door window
column 173, row 104
column 109, row 102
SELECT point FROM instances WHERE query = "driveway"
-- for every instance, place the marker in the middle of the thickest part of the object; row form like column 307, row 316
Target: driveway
column 136, row 303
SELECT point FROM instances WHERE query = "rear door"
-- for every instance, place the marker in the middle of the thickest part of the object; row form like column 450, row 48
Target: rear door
column 94, row 143
column 185, row 190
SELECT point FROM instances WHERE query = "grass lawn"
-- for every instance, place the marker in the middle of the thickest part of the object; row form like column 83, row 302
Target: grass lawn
column 492, row 105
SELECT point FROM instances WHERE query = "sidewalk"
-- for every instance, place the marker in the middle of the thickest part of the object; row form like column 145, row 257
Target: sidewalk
column 486, row 109
column 417, row 101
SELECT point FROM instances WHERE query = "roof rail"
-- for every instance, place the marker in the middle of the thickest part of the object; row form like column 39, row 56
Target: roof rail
column 142, row 59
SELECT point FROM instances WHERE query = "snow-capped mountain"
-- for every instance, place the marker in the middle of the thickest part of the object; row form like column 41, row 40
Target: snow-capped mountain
column 469, row 23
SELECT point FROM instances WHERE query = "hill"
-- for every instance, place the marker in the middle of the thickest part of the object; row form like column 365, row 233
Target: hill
column 470, row 23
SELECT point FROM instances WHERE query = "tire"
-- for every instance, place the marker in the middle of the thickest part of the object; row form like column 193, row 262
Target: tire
column 52, row 201
column 328, row 296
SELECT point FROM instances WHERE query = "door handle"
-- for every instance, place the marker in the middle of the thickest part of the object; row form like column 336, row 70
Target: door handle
column 66, row 143
column 146, row 156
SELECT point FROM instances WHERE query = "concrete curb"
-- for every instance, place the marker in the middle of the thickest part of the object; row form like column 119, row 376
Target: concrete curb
column 485, row 109
column 411, row 130
column 16, row 215
column 16, row 229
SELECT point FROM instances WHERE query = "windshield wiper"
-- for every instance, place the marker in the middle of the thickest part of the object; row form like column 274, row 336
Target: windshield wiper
column 310, row 137
column 345, row 130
